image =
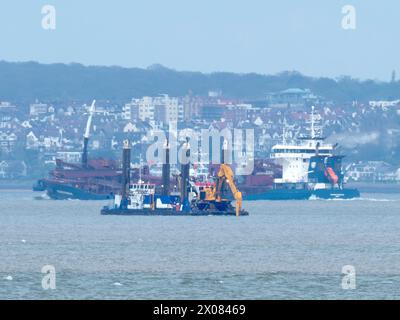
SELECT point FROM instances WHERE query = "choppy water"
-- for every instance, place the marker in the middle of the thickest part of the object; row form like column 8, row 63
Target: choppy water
column 283, row 250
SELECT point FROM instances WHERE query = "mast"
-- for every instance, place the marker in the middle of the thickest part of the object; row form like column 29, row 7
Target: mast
column 126, row 169
column 315, row 126
column 224, row 151
column 166, row 170
column 284, row 131
column 87, row 134
column 140, row 168
column 312, row 123
column 185, row 172
column 220, row 182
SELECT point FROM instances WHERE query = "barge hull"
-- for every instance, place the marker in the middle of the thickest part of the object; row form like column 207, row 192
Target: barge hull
column 164, row 212
column 303, row 194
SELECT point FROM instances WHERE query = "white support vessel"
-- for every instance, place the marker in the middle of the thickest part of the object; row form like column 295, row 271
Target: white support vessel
column 309, row 169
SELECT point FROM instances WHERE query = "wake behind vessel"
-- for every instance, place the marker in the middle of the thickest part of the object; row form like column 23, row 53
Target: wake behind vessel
column 309, row 170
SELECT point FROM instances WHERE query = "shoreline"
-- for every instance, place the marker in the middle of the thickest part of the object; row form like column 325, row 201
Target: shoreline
column 17, row 184
column 371, row 187
column 364, row 187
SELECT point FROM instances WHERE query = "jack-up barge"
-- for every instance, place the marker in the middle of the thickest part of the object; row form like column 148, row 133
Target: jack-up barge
column 140, row 198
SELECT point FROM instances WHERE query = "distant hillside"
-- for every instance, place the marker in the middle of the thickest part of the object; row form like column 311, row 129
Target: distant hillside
column 30, row 80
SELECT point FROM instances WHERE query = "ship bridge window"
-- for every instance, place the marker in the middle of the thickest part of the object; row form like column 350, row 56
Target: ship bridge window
column 297, row 151
column 309, row 151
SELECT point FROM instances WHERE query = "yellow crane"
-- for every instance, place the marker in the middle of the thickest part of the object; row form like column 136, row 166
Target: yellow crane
column 214, row 193
column 225, row 174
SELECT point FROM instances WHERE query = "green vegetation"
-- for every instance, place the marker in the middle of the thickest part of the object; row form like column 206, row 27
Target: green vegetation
column 30, row 80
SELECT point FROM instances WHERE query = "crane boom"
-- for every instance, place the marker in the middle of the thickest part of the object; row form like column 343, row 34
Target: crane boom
column 211, row 196
column 225, row 174
column 87, row 134
column 89, row 121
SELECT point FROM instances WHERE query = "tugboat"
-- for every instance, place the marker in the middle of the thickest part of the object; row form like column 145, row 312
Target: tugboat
column 141, row 198
column 309, row 170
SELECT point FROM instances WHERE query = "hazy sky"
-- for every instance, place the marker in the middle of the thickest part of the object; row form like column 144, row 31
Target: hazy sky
column 209, row 35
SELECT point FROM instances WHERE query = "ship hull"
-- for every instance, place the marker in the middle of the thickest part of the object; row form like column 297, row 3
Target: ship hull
column 167, row 212
column 304, row 194
column 39, row 185
column 65, row 192
column 337, row 193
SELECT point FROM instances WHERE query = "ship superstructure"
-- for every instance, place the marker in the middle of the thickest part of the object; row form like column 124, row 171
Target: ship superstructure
column 309, row 168
column 295, row 156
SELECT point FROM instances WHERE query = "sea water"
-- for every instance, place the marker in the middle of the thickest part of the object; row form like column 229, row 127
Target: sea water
column 283, row 250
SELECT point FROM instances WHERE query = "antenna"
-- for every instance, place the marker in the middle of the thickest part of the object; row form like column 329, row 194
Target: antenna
column 315, row 126
column 140, row 168
column 284, row 131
